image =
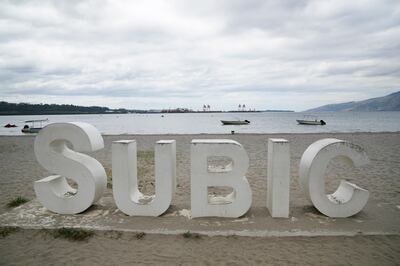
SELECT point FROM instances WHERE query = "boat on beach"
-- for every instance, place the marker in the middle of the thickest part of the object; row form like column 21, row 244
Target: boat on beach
column 235, row 122
column 32, row 128
column 311, row 120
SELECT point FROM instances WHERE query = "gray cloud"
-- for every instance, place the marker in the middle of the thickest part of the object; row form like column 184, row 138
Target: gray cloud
column 155, row 54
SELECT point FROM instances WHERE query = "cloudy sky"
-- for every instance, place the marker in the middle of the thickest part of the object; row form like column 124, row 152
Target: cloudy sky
column 289, row 54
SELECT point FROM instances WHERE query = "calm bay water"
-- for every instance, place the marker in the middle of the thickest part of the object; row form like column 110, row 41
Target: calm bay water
column 196, row 123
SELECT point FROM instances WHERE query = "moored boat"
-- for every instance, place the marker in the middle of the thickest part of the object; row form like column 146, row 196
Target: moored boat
column 32, row 128
column 235, row 122
column 10, row 125
column 310, row 120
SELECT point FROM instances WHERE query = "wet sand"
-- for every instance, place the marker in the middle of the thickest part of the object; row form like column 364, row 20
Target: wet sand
column 381, row 177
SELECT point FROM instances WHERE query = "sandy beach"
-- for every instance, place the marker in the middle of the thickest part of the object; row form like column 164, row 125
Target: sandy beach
column 19, row 169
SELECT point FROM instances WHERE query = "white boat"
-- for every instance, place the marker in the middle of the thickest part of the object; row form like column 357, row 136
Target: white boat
column 235, row 122
column 32, row 128
column 311, row 120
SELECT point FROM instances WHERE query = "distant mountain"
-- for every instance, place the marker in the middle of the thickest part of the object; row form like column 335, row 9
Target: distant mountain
column 390, row 102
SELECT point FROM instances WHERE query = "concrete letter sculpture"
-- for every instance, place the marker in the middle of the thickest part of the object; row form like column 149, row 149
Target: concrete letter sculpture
column 52, row 150
column 233, row 205
column 278, row 177
column 348, row 199
column 127, row 196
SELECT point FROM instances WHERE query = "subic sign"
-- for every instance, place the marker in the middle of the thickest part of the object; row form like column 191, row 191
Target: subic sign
column 53, row 153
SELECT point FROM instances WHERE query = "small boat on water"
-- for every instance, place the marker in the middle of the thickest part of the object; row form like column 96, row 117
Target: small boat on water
column 311, row 120
column 10, row 125
column 32, row 128
column 235, row 122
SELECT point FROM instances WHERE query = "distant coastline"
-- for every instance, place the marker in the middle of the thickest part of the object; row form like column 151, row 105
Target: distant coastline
column 66, row 109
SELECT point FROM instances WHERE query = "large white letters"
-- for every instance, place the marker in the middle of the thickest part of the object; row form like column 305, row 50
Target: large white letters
column 348, row 199
column 57, row 144
column 53, row 153
column 125, row 186
column 278, row 177
column 235, row 204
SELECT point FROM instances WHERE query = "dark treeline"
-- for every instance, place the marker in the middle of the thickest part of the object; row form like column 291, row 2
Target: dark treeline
column 48, row 109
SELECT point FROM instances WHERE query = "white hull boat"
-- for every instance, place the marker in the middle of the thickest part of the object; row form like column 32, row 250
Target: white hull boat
column 32, row 128
column 311, row 122
column 235, row 122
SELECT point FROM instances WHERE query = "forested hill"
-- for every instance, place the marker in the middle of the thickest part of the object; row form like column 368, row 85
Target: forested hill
column 49, row 109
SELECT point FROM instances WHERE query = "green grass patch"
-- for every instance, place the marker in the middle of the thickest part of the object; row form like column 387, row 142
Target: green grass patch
column 191, row 235
column 5, row 231
column 17, row 202
column 72, row 234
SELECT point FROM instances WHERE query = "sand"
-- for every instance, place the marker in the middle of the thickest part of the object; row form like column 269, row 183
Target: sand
column 18, row 170
column 37, row 248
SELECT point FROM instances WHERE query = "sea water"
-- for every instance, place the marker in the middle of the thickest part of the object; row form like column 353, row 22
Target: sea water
column 210, row 123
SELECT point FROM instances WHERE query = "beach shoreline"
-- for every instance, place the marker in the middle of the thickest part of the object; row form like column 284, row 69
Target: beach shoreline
column 227, row 134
